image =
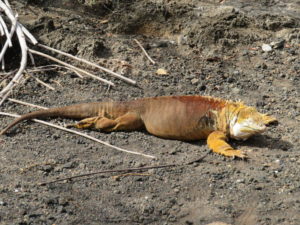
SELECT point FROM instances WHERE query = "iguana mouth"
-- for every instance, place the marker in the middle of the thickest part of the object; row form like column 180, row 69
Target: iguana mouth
column 242, row 131
column 253, row 130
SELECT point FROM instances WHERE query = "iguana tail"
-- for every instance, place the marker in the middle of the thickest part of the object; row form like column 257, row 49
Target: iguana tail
column 78, row 111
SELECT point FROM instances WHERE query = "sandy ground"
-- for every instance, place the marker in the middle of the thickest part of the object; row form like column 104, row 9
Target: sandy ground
column 208, row 48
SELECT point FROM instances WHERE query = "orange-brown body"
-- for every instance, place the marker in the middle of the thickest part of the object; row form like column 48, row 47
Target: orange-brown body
column 172, row 117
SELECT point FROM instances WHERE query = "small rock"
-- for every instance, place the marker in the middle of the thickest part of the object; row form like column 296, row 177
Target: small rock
column 162, row 71
column 63, row 201
column 266, row 48
column 235, row 90
column 2, row 203
column 70, row 165
column 264, row 66
column 176, row 190
column 182, row 40
column 245, row 53
column 117, row 192
column 160, row 44
column 194, row 81
column 240, row 181
column 230, row 80
column 236, row 72
column 46, row 168
column 277, row 44
column 61, row 209
column 202, row 87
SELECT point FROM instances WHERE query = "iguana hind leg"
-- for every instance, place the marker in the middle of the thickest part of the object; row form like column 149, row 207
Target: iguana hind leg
column 129, row 121
column 97, row 122
column 217, row 143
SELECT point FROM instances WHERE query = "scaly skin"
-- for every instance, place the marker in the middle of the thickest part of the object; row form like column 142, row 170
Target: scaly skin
column 172, row 117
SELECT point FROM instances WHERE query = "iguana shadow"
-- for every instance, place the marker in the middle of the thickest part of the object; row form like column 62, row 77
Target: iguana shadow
column 262, row 141
column 256, row 141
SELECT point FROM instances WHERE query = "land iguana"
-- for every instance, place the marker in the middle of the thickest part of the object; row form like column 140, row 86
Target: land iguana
column 173, row 117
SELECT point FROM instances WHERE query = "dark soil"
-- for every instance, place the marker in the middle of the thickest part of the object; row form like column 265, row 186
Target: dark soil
column 208, row 48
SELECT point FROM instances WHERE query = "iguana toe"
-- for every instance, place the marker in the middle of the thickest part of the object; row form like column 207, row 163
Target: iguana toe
column 235, row 154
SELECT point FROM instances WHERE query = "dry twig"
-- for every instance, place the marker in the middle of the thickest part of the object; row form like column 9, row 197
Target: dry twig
column 146, row 54
column 23, row 35
column 89, row 63
column 123, row 170
column 70, row 66
column 42, row 82
column 106, row 171
column 26, row 103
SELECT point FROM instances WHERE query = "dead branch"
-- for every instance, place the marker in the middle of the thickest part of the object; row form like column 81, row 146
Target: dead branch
column 146, row 54
column 23, row 45
column 124, row 170
column 70, row 66
column 23, row 35
column 107, row 171
column 89, row 63
column 26, row 103
column 42, row 82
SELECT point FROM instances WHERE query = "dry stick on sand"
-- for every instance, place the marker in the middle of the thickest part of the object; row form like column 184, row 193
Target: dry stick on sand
column 139, row 44
column 83, row 135
column 70, row 66
column 89, row 63
column 42, row 82
column 19, row 74
column 26, row 103
column 23, row 35
column 122, row 170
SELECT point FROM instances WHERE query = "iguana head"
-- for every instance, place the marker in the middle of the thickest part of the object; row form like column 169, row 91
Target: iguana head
column 246, row 121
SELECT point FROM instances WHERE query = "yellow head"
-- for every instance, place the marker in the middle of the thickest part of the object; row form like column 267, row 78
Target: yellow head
column 245, row 121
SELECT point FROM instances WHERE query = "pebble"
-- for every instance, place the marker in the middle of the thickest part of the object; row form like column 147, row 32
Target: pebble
column 182, row 40
column 277, row 44
column 61, row 209
column 176, row 190
column 46, row 168
column 266, row 48
column 236, row 72
column 82, row 166
column 240, row 181
column 160, row 44
column 70, row 165
column 2, row 203
column 194, row 81
column 236, row 90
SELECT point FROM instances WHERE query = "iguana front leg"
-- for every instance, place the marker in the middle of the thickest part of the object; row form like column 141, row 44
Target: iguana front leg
column 216, row 141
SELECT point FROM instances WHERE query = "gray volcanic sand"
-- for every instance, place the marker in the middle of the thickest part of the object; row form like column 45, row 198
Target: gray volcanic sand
column 207, row 48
